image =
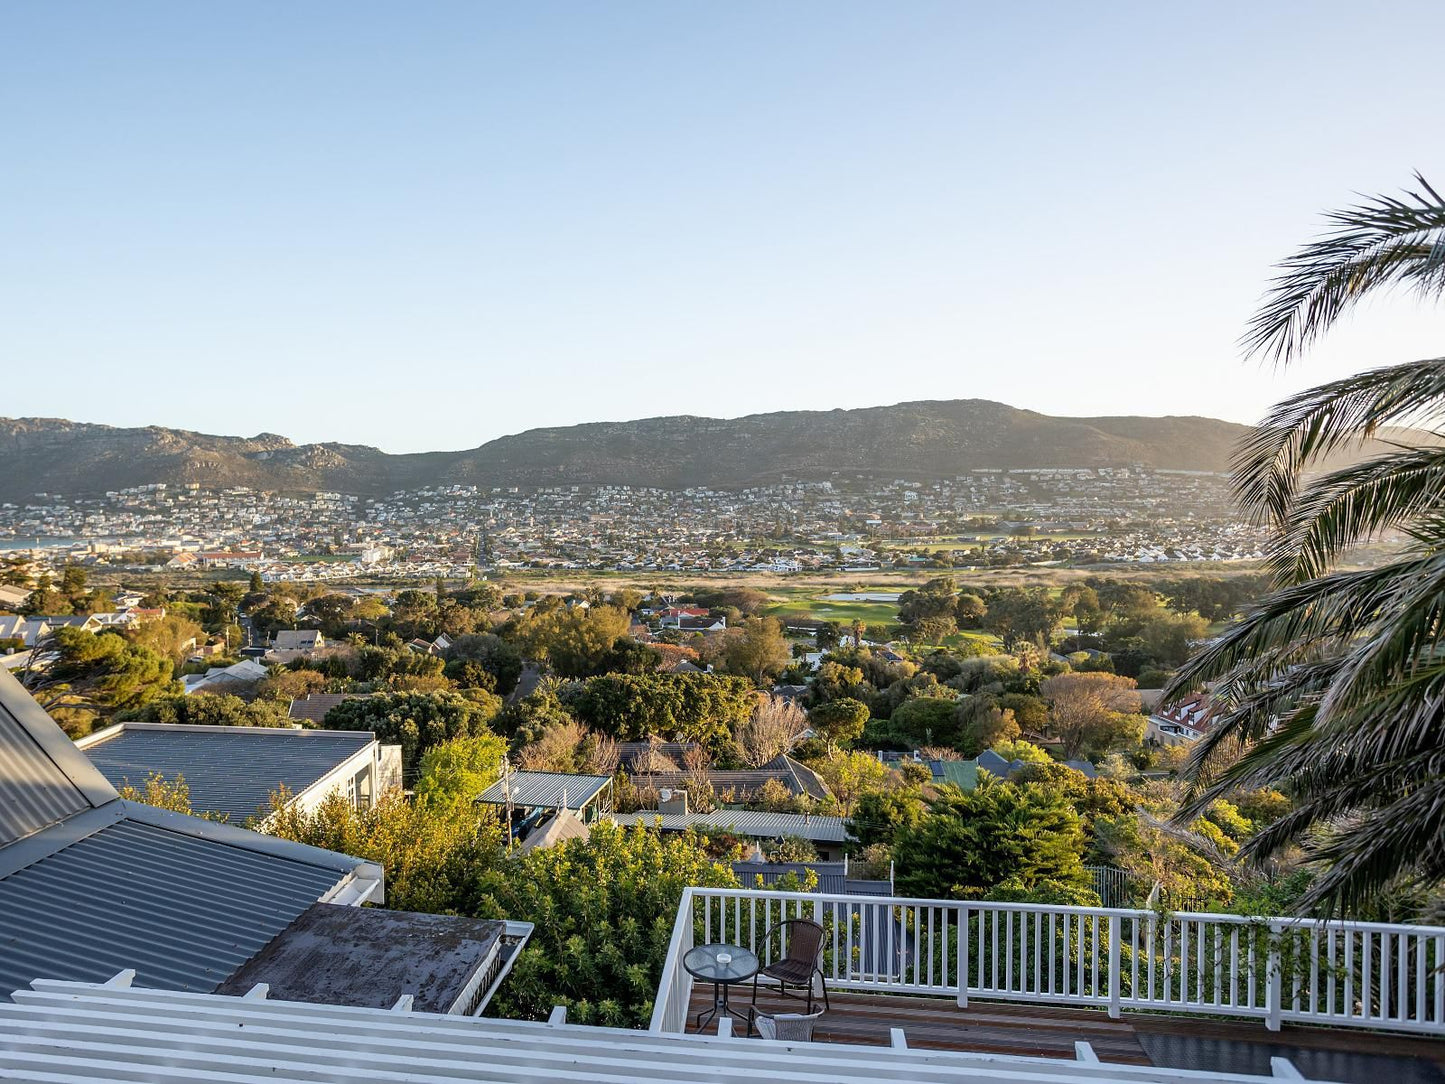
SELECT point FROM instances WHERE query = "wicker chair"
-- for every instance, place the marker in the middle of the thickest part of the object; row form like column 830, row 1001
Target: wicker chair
column 787, row 1027
column 799, row 963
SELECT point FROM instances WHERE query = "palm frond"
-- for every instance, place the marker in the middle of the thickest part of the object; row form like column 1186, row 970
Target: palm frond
column 1386, row 240
column 1357, row 504
column 1341, row 414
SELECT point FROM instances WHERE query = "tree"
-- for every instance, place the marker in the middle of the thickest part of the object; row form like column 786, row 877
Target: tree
column 1330, row 688
column 604, row 908
column 701, row 708
column 574, row 641
column 840, row 721
column 435, row 856
column 759, row 652
column 459, row 770
column 210, row 709
column 927, row 721
column 103, row 671
column 1090, row 712
column 774, row 727
column 568, row 746
column 969, row 610
column 971, row 842
column 986, row 724
column 257, row 584
column 1017, row 614
column 878, row 814
column 416, row 721
column 849, row 775
column 493, row 653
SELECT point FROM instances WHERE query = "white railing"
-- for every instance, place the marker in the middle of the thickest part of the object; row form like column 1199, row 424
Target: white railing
column 1365, row 974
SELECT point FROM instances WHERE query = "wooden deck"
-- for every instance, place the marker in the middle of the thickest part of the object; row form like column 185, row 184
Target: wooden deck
column 1139, row 1038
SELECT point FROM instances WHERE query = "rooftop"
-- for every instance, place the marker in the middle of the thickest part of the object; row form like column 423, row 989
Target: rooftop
column 370, row 957
column 93, row 1033
column 91, row 884
column 546, row 790
column 227, row 769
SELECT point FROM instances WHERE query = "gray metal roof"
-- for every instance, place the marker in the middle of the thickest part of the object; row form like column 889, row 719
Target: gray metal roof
column 35, row 788
column 231, row 770
column 747, row 822
column 547, row 790
column 183, row 910
column 91, row 885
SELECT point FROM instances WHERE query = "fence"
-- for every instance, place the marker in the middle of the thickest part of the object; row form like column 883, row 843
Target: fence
column 1365, row 974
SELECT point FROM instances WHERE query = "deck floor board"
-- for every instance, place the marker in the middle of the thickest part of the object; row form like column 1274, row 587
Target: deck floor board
column 1050, row 1031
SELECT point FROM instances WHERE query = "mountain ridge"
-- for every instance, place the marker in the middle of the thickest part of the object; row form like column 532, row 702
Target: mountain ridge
column 923, row 439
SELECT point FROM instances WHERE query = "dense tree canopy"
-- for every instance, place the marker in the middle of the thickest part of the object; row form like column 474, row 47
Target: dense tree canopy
column 971, row 842
column 693, row 707
column 416, row 721
column 604, row 908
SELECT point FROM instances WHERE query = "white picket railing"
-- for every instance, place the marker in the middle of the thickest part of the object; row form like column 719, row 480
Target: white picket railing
column 1364, row 974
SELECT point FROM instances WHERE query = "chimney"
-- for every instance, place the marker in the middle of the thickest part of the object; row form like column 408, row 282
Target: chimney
column 672, row 801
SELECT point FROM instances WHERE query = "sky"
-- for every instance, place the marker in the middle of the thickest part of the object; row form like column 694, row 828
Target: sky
column 425, row 225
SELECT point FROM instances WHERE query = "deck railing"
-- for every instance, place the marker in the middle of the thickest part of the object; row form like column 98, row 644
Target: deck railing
column 1364, row 974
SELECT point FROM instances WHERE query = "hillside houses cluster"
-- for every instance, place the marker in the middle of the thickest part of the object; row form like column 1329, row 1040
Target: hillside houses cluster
column 1109, row 514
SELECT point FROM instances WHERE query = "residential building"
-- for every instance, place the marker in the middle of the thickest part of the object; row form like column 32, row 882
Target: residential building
column 1181, row 723
column 234, row 770
column 91, row 885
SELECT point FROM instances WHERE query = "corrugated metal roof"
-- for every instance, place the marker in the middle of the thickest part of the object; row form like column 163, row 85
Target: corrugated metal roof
column 34, row 790
column 184, row 911
column 748, row 822
column 961, row 773
column 227, row 769
column 547, row 790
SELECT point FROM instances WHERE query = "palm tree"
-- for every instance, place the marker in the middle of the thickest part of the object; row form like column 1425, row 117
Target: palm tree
column 1333, row 687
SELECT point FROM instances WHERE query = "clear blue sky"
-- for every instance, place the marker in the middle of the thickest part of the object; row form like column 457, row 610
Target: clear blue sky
column 423, row 225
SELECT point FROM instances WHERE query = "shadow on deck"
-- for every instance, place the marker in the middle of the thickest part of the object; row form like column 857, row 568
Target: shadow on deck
column 1244, row 1046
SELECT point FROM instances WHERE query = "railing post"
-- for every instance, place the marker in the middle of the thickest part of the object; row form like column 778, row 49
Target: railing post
column 1274, row 985
column 1116, row 978
column 962, row 974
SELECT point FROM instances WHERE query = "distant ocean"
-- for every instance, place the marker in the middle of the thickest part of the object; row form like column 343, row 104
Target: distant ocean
column 32, row 542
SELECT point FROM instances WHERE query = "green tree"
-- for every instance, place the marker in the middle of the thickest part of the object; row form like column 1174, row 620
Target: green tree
column 435, row 856
column 171, row 636
column 878, row 814
column 459, row 770
column 416, row 721
column 604, row 908
column 971, row 842
column 849, row 776
column 704, row 708
column 927, row 721
column 839, row 722
column 1022, row 614
column 209, row 709
column 1331, row 686
column 498, row 656
column 758, row 651
column 573, row 641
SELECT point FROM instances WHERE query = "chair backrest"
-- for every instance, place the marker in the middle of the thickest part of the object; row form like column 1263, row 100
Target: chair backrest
column 805, row 939
column 789, row 1027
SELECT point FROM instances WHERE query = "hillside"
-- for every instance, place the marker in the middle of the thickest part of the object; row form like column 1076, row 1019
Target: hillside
column 919, row 440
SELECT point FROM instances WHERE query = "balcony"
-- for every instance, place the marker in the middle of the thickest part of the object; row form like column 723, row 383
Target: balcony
column 1189, row 990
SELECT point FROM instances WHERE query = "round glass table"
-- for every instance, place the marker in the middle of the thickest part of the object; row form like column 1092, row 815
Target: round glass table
column 723, row 966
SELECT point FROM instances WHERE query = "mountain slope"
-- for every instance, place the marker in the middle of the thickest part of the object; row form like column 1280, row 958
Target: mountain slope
column 918, row 440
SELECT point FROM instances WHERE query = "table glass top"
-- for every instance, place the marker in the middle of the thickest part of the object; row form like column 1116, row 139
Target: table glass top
column 711, row 963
